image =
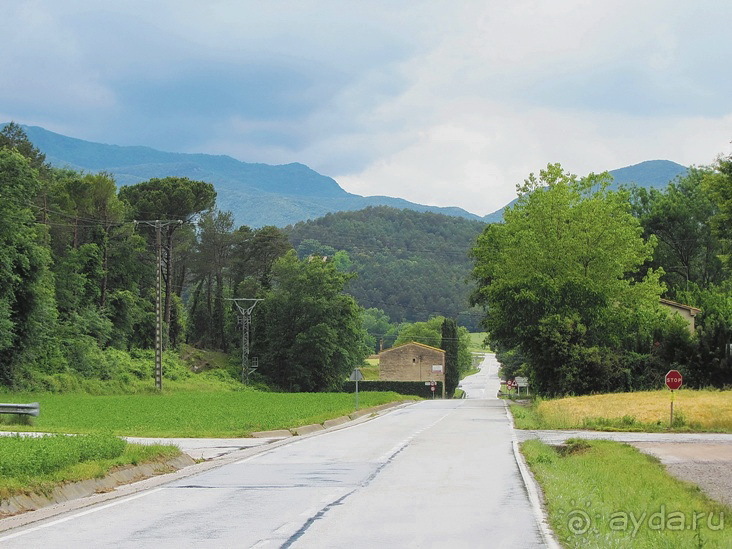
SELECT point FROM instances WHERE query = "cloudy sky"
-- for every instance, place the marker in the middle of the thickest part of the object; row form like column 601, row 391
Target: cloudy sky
column 448, row 103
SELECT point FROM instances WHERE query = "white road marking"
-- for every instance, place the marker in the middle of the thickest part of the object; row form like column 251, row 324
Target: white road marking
column 78, row 515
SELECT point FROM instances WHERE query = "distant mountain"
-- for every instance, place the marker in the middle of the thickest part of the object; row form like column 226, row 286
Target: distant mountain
column 257, row 194
column 262, row 194
column 655, row 174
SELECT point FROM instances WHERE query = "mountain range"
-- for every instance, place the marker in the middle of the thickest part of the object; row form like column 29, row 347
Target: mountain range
column 262, row 194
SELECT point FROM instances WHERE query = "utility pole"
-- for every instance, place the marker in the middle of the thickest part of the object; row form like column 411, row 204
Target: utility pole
column 158, row 224
column 246, row 321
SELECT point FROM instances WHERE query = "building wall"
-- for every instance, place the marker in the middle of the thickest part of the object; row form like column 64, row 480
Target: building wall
column 686, row 312
column 411, row 362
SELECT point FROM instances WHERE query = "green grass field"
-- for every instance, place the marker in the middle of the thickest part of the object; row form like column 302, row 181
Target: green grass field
column 607, row 494
column 189, row 414
column 38, row 464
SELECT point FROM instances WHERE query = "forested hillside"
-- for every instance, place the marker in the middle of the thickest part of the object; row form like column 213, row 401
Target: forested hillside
column 409, row 264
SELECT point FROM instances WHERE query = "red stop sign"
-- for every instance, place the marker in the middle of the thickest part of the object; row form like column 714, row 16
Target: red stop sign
column 673, row 379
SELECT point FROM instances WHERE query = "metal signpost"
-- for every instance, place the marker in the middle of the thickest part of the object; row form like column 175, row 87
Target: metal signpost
column 673, row 382
column 356, row 376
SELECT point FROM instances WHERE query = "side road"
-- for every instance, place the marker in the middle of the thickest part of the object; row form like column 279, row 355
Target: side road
column 704, row 459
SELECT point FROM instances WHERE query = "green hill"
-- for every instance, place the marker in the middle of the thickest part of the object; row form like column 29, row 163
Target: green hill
column 410, row 264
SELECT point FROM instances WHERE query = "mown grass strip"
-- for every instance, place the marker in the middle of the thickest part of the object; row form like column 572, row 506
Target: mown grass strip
column 39, row 464
column 191, row 414
column 609, row 495
column 705, row 411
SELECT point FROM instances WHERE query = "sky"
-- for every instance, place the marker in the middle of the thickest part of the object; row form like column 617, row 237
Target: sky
column 446, row 103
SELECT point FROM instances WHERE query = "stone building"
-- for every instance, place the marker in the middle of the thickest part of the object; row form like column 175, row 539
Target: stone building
column 687, row 312
column 413, row 362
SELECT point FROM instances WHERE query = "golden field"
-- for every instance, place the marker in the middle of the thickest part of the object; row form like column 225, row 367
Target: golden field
column 706, row 410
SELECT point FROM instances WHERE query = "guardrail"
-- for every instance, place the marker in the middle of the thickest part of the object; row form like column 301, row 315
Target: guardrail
column 32, row 409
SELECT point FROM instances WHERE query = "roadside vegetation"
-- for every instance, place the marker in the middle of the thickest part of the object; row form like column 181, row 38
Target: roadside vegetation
column 39, row 464
column 190, row 414
column 694, row 410
column 580, row 481
column 571, row 282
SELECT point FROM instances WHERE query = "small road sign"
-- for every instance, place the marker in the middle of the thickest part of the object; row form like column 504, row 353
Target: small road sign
column 674, row 379
column 356, row 375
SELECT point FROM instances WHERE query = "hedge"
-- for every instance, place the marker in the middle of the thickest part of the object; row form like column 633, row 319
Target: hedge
column 417, row 388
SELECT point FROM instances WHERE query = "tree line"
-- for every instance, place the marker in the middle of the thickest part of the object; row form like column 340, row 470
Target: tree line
column 572, row 280
column 78, row 268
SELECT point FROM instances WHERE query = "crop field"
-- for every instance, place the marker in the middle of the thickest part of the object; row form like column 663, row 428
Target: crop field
column 705, row 410
column 189, row 414
column 37, row 464
column 586, row 509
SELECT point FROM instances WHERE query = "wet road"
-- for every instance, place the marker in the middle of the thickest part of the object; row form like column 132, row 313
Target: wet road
column 434, row 474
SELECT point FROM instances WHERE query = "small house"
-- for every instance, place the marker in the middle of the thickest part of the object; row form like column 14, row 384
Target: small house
column 413, row 362
column 687, row 312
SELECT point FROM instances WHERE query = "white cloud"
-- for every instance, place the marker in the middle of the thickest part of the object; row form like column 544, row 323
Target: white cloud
column 447, row 103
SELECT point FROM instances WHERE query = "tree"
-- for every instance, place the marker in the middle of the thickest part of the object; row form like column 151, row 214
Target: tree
column 553, row 278
column 254, row 253
column 211, row 260
column 450, row 345
column 718, row 183
column 688, row 250
column 171, row 198
column 27, row 305
column 381, row 332
column 13, row 136
column 427, row 333
column 308, row 333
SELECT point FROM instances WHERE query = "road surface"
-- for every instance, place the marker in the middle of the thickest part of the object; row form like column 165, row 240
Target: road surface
column 439, row 473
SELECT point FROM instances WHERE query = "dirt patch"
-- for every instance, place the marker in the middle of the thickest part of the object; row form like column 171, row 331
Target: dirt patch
column 708, row 465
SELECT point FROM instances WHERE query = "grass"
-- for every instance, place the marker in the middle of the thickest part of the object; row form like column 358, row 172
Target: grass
column 189, row 414
column 477, row 342
column 704, row 410
column 39, row 464
column 586, row 485
column 371, row 370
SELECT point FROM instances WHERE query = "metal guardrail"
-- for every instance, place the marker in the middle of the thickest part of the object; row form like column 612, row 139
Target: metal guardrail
column 32, row 409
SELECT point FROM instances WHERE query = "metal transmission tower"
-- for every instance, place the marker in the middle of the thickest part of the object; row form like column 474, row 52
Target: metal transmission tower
column 246, row 321
column 158, row 224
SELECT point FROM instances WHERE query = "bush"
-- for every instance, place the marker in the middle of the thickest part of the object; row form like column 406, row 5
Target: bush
column 416, row 388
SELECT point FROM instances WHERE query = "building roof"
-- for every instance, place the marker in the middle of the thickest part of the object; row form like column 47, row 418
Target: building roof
column 693, row 311
column 413, row 343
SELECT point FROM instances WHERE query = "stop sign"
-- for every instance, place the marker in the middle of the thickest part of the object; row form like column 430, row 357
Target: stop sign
column 673, row 379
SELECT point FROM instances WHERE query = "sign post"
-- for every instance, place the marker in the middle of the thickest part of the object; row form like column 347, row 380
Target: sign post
column 674, row 380
column 356, row 376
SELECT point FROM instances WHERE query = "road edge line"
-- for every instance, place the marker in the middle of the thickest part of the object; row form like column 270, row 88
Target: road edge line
column 532, row 488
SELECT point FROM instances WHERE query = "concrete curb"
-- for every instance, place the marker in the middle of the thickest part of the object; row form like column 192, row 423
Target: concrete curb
column 532, row 488
column 336, row 422
column 85, row 488
column 279, row 433
column 307, row 429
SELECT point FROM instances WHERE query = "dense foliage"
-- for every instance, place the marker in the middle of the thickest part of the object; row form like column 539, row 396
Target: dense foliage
column 309, row 333
column 571, row 282
column 411, row 265
column 78, row 264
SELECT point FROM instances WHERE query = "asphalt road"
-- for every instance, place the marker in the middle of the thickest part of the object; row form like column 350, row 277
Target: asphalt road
column 434, row 474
